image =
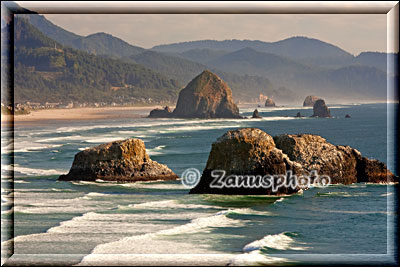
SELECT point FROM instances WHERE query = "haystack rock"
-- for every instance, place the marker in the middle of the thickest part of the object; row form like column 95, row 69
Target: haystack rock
column 161, row 113
column 246, row 151
column 206, row 96
column 342, row 164
column 270, row 103
column 123, row 161
column 310, row 101
column 256, row 115
column 321, row 110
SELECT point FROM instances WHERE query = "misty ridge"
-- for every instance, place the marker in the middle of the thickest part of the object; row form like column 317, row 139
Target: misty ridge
column 53, row 64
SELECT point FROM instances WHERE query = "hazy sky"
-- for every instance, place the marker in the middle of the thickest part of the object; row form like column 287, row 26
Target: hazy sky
column 354, row 33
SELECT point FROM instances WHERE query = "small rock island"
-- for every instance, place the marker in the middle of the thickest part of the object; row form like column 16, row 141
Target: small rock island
column 320, row 109
column 206, row 96
column 121, row 161
column 270, row 103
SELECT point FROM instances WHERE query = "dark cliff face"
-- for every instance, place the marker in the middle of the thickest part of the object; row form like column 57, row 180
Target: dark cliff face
column 247, row 151
column 251, row 151
column 206, row 96
column 321, row 110
column 125, row 161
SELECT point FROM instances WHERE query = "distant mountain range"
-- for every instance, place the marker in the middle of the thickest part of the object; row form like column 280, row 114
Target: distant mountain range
column 46, row 71
column 286, row 70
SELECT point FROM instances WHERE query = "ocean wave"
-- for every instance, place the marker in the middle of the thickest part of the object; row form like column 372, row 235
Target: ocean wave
column 282, row 241
column 60, row 138
column 166, row 204
column 279, row 200
column 255, row 258
column 217, row 220
column 342, row 194
column 31, row 171
column 21, row 182
column 35, row 148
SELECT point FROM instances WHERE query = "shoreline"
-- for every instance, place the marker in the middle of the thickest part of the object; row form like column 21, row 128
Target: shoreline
column 46, row 116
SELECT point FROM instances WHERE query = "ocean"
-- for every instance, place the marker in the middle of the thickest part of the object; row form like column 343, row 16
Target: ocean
column 98, row 223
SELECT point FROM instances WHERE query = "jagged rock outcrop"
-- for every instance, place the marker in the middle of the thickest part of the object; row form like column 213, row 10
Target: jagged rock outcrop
column 310, row 101
column 256, row 115
column 123, row 161
column 269, row 103
column 251, row 151
column 206, row 96
column 161, row 113
column 321, row 110
column 342, row 164
column 347, row 116
column 248, row 151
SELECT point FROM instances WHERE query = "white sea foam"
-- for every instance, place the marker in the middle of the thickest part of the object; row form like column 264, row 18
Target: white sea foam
column 279, row 241
column 60, row 138
column 279, row 200
column 134, row 244
column 21, row 182
column 255, row 258
column 166, row 204
column 31, row 171
column 36, row 147
column 103, row 139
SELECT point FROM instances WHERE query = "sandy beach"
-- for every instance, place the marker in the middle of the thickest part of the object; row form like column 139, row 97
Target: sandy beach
column 45, row 116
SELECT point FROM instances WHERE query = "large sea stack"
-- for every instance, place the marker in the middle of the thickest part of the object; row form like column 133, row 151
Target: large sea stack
column 123, row 161
column 206, row 96
column 251, row 151
column 310, row 101
column 248, row 151
column 321, row 110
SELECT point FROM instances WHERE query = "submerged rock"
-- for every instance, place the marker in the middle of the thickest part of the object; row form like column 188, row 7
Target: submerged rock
column 248, row 151
column 342, row 164
column 298, row 115
column 206, row 96
column 256, row 114
column 269, row 103
column 321, row 110
column 124, row 161
column 161, row 113
column 310, row 101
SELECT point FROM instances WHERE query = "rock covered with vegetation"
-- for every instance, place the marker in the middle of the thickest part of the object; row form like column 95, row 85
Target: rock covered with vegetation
column 123, row 161
column 206, row 96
